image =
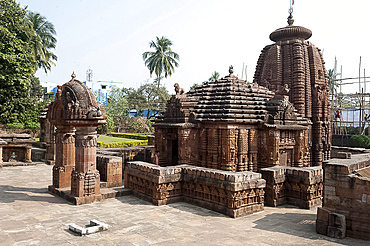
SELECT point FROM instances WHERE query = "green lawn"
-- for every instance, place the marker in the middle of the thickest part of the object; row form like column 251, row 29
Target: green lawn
column 107, row 139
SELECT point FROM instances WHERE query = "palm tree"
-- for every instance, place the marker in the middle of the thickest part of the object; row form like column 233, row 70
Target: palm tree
column 162, row 60
column 43, row 41
column 214, row 76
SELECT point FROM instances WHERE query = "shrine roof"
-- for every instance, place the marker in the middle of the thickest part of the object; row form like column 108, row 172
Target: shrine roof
column 230, row 99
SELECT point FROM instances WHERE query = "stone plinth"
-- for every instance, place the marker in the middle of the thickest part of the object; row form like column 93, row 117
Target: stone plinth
column 230, row 193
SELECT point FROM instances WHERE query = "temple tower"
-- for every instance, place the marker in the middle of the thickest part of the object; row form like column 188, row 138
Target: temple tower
column 297, row 65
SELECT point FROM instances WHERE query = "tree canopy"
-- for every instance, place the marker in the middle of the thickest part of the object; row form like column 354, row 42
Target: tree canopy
column 117, row 102
column 19, row 89
column 215, row 75
column 43, row 40
column 162, row 60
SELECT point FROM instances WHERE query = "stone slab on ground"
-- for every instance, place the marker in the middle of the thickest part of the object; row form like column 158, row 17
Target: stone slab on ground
column 30, row 215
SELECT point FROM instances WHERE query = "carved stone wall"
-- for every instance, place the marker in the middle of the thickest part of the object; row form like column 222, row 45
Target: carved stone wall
column 302, row 187
column 234, row 194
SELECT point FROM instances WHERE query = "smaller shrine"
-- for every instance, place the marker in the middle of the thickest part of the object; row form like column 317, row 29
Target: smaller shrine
column 75, row 113
column 16, row 147
column 232, row 125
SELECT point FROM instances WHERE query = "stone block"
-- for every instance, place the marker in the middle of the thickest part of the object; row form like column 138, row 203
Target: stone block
column 95, row 226
column 321, row 227
column 336, row 232
column 323, row 214
column 77, row 229
column 336, row 225
column 343, row 155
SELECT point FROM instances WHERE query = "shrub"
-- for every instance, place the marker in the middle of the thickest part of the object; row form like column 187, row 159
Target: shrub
column 123, row 144
column 103, row 129
column 129, row 135
column 361, row 141
column 15, row 125
column 139, row 125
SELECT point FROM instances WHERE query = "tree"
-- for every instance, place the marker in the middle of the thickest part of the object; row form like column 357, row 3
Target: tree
column 195, row 85
column 117, row 102
column 43, row 41
column 215, row 76
column 17, row 64
column 162, row 60
column 136, row 100
column 155, row 97
column 333, row 84
column 36, row 90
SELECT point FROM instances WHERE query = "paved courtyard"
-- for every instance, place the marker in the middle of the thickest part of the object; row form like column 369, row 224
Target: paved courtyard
column 29, row 215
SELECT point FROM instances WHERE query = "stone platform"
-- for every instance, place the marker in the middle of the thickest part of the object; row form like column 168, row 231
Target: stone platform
column 105, row 193
column 230, row 193
column 30, row 215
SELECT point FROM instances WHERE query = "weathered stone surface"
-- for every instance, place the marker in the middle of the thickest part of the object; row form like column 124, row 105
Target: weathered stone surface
column 16, row 147
column 76, row 114
column 234, row 194
column 110, row 169
column 295, row 67
column 346, row 200
column 302, row 187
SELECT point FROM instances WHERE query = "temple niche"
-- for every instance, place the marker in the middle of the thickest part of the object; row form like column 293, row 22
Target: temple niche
column 294, row 63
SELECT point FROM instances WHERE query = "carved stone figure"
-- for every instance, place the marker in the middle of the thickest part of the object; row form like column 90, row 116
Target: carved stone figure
column 178, row 90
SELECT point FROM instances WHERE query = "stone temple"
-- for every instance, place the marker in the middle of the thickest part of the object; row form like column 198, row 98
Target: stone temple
column 234, row 146
column 294, row 63
column 228, row 145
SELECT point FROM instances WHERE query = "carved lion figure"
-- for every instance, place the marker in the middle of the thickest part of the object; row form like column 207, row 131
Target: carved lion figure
column 178, row 90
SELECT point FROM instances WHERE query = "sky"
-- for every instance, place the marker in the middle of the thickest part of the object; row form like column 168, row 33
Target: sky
column 110, row 36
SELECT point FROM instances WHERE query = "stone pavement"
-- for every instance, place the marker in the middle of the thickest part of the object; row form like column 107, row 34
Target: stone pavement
column 29, row 215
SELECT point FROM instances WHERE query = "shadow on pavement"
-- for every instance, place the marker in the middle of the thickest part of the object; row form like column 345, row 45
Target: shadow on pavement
column 300, row 225
column 9, row 194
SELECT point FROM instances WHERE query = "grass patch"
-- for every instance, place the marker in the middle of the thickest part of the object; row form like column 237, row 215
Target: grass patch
column 107, row 139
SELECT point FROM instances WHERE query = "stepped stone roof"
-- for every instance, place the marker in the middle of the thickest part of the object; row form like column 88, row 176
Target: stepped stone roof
column 230, row 99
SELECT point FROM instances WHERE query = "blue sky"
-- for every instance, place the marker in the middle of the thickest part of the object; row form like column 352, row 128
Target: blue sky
column 209, row 35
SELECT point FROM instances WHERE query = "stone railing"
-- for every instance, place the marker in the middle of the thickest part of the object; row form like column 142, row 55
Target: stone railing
column 296, row 186
column 234, row 194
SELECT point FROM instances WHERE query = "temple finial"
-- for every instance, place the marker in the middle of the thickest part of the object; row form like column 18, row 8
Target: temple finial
column 231, row 70
column 290, row 17
column 73, row 75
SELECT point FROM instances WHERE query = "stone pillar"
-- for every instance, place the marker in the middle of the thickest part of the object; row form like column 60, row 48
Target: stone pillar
column 50, row 143
column 65, row 156
column 85, row 180
column 27, row 154
column 184, row 155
